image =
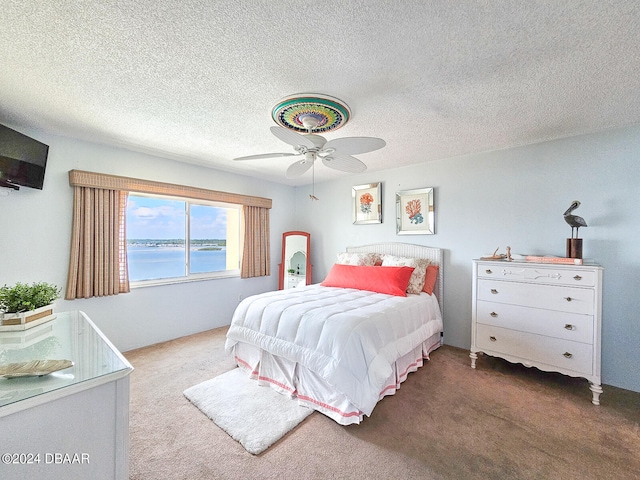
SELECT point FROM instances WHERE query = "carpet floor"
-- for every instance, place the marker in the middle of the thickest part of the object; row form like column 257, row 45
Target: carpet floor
column 447, row 421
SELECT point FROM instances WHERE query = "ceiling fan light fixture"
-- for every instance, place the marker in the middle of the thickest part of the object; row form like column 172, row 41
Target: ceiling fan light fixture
column 301, row 118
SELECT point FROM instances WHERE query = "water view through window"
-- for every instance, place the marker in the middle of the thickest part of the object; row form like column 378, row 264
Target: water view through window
column 159, row 230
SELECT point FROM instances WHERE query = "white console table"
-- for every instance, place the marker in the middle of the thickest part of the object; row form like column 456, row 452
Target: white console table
column 70, row 424
column 293, row 281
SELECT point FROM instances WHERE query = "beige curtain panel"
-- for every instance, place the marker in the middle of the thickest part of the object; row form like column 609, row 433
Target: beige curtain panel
column 97, row 266
column 256, row 257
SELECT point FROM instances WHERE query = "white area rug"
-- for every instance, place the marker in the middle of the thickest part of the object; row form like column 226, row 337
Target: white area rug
column 255, row 416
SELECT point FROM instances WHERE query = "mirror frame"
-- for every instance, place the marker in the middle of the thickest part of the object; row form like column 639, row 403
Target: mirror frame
column 426, row 225
column 281, row 267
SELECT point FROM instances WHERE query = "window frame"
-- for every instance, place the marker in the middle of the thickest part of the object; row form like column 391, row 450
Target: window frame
column 192, row 277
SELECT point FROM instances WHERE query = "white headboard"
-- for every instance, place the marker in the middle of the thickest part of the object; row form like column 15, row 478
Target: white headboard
column 435, row 255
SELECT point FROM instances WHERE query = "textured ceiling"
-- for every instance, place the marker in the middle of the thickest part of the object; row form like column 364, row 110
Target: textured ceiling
column 195, row 80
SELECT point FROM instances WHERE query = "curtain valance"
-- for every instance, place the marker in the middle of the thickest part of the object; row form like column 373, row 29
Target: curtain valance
column 82, row 178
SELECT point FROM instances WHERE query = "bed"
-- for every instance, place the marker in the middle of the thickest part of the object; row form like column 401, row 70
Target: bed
column 339, row 350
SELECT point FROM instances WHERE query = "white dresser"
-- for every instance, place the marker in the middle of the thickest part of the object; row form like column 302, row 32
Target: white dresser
column 541, row 315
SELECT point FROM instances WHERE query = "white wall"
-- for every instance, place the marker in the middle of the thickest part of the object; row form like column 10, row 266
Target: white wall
column 35, row 229
column 513, row 197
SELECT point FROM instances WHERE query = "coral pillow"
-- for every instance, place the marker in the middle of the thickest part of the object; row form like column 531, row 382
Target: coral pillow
column 430, row 279
column 389, row 280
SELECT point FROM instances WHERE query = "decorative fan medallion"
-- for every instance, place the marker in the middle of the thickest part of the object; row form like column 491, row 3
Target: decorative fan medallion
column 328, row 113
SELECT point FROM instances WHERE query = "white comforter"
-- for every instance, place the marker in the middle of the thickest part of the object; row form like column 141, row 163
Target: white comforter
column 351, row 338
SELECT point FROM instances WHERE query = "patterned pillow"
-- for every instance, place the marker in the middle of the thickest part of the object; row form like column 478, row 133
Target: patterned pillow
column 416, row 283
column 359, row 259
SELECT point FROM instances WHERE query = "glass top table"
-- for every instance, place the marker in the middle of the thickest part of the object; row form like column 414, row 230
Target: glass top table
column 70, row 336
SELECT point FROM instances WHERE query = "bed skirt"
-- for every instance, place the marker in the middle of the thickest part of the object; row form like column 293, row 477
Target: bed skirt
column 294, row 380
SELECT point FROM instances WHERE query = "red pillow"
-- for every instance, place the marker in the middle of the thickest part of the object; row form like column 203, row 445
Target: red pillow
column 430, row 278
column 389, row 280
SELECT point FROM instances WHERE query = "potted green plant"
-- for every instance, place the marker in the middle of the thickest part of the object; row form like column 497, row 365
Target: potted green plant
column 21, row 304
column 291, row 271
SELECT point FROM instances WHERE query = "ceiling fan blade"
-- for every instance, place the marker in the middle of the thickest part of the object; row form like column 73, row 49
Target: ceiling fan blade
column 354, row 145
column 344, row 163
column 267, row 155
column 298, row 168
column 291, row 137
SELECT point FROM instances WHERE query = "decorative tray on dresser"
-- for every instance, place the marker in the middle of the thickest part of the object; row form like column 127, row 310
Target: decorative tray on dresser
column 541, row 315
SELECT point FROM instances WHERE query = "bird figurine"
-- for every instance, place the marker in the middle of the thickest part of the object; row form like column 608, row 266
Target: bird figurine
column 574, row 220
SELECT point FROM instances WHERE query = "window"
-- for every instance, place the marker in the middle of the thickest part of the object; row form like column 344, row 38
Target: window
column 98, row 264
column 171, row 239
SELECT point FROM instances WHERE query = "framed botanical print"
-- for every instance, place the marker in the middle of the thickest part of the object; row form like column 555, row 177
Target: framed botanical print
column 367, row 203
column 415, row 212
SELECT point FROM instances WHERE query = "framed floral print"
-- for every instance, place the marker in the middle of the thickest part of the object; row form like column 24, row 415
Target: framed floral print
column 367, row 203
column 415, row 212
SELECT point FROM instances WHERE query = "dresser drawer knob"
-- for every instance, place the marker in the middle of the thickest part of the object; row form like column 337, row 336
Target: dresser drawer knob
column 488, row 270
column 568, row 326
column 493, row 314
column 568, row 299
column 577, row 278
column 567, row 355
column 494, row 291
column 493, row 339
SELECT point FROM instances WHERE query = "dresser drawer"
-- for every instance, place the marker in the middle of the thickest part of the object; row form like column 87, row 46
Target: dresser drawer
column 563, row 299
column 537, row 274
column 531, row 348
column 568, row 326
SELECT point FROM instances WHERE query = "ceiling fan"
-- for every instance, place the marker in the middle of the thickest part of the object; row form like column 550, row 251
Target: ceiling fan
column 312, row 113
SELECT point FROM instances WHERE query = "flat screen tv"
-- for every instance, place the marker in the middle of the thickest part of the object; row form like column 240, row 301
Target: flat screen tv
column 22, row 160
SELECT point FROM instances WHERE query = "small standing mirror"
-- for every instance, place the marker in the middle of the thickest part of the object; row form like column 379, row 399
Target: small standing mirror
column 295, row 269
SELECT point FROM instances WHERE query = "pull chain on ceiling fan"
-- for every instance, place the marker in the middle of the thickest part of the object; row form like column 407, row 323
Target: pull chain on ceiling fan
column 313, row 184
column 312, row 114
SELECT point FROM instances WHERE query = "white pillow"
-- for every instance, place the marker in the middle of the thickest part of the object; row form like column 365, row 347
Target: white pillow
column 359, row 259
column 416, row 282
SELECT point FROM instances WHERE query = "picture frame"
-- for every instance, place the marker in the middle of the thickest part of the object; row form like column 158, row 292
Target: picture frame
column 367, row 203
column 415, row 212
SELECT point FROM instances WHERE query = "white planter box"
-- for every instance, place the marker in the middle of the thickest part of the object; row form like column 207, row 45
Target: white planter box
column 21, row 321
